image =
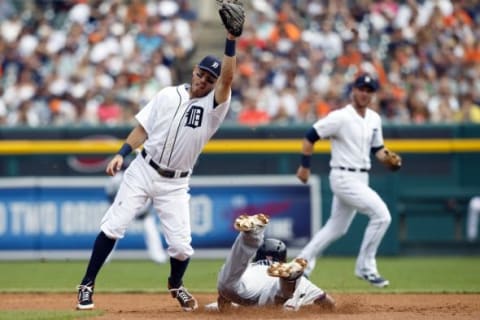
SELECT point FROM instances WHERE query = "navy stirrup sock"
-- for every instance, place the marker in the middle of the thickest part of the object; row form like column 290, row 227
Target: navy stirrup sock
column 177, row 270
column 101, row 249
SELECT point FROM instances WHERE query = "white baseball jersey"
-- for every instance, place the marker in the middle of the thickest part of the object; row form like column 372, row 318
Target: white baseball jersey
column 178, row 128
column 351, row 136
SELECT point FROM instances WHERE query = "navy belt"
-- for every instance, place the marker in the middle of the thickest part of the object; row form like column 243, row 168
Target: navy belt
column 164, row 172
column 351, row 169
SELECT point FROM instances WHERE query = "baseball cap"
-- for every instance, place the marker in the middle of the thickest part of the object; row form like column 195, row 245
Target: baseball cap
column 211, row 64
column 366, row 80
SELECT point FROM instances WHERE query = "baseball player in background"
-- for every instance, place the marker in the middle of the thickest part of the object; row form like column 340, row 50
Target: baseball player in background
column 256, row 273
column 355, row 132
column 173, row 128
column 153, row 239
column 472, row 218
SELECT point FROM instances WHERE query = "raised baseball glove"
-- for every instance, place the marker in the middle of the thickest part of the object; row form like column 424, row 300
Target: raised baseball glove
column 392, row 160
column 233, row 16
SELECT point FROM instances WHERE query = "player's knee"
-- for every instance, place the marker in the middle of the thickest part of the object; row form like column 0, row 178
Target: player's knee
column 180, row 251
column 180, row 256
column 112, row 234
column 386, row 219
column 381, row 215
column 383, row 220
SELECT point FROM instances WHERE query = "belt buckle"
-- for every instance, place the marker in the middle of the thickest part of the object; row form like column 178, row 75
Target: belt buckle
column 166, row 173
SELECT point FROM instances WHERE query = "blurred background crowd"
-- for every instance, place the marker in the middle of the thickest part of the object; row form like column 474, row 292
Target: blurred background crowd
column 92, row 62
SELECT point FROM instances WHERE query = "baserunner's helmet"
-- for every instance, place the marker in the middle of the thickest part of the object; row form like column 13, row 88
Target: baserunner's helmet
column 272, row 249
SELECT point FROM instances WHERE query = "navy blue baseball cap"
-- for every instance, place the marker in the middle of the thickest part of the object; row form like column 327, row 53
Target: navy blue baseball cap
column 211, row 64
column 366, row 80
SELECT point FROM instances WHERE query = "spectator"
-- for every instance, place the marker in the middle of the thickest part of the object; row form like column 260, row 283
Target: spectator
column 443, row 104
column 287, row 108
column 136, row 12
column 24, row 115
column 469, row 110
column 148, row 39
column 402, row 43
column 70, row 56
column 311, row 45
column 251, row 114
column 109, row 111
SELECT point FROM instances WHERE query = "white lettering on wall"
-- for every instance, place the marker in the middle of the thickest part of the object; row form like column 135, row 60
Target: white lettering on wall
column 3, row 219
column 33, row 218
column 280, row 228
column 81, row 217
column 201, row 211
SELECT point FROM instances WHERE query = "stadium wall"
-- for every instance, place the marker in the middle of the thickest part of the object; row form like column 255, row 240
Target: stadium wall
column 427, row 198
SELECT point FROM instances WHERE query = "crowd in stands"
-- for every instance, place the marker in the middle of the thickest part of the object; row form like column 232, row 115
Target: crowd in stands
column 78, row 62
column 93, row 62
column 298, row 58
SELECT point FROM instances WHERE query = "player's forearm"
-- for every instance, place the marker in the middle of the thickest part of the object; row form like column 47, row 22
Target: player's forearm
column 307, row 147
column 229, row 62
column 137, row 137
column 134, row 140
column 307, row 151
column 228, row 70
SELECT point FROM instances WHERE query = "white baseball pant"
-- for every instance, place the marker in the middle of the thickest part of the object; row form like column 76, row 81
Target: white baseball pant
column 351, row 194
column 170, row 200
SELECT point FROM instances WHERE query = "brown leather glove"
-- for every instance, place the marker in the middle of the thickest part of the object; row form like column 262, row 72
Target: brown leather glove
column 392, row 160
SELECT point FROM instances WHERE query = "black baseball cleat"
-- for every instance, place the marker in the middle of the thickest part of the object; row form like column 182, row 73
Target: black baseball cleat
column 85, row 297
column 374, row 279
column 186, row 300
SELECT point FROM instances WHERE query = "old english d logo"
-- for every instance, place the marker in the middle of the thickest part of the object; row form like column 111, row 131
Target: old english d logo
column 194, row 117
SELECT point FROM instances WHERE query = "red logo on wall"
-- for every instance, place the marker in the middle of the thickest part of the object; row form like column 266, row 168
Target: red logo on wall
column 91, row 163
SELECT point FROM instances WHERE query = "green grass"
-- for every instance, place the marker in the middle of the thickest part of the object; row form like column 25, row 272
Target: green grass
column 46, row 315
column 412, row 274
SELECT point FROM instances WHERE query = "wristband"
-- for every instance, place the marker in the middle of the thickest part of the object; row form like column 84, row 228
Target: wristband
column 125, row 150
column 230, row 47
column 305, row 161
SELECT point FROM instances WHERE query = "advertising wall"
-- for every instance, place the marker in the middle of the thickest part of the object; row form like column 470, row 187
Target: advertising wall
column 59, row 218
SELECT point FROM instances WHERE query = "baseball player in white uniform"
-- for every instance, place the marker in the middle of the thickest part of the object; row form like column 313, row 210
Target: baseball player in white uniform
column 354, row 131
column 256, row 273
column 173, row 128
column 472, row 218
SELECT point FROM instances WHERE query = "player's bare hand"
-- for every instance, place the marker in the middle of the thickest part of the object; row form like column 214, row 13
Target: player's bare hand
column 114, row 165
column 303, row 174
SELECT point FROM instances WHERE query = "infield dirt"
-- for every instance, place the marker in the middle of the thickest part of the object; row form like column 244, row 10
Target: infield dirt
column 349, row 306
